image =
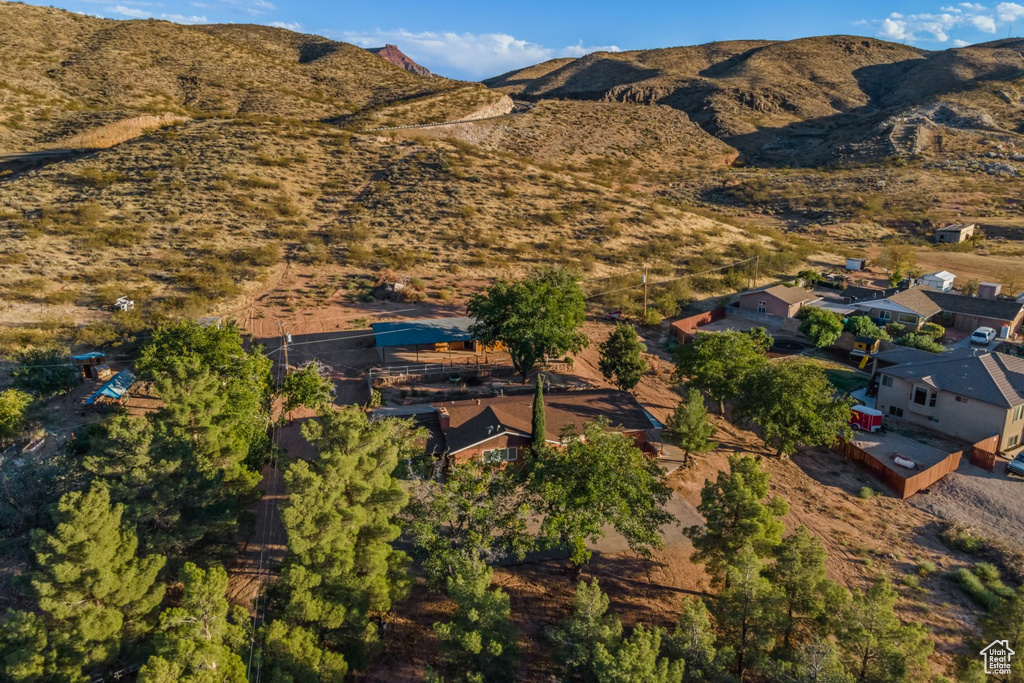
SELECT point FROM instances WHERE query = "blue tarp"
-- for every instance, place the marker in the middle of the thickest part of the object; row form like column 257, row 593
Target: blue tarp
column 422, row 331
column 117, row 387
column 89, row 356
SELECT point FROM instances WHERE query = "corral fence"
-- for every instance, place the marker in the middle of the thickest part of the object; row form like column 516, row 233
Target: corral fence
column 900, row 484
column 688, row 325
column 983, row 453
column 400, row 374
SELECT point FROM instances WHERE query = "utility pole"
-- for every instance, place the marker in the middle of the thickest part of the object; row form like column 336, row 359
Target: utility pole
column 287, row 338
column 645, row 292
column 757, row 261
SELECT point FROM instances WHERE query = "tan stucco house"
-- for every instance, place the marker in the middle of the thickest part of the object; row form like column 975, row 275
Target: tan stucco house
column 779, row 300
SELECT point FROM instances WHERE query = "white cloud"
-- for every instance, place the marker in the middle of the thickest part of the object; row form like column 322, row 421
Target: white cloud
column 960, row 43
column 294, row 26
column 135, row 13
column 1009, row 11
column 472, row 55
column 264, row 4
column 939, row 27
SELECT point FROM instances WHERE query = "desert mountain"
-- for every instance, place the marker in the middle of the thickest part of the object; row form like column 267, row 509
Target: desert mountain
column 807, row 101
column 62, row 72
column 392, row 54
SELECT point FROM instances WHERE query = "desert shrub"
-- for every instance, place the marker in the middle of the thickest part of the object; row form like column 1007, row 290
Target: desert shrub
column 91, row 176
column 925, row 568
column 963, row 540
column 866, row 493
column 975, row 589
column 912, row 581
column 262, row 256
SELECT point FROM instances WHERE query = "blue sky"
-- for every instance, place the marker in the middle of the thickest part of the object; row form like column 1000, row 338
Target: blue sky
column 474, row 40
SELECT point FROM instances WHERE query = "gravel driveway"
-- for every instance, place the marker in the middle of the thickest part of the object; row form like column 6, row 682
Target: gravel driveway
column 991, row 503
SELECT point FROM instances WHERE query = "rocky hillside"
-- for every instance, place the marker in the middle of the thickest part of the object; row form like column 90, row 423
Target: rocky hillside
column 809, row 101
column 61, row 73
column 392, row 54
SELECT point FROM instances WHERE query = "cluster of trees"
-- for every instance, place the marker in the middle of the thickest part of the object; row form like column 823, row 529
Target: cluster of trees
column 135, row 505
column 791, row 401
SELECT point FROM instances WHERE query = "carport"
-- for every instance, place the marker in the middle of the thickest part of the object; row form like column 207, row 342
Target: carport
column 440, row 334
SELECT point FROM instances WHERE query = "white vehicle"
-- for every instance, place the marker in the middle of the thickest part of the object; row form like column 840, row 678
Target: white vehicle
column 983, row 335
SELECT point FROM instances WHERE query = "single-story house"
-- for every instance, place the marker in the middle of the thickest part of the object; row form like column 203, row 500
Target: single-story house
column 942, row 280
column 955, row 233
column 853, row 294
column 779, row 300
column 911, row 308
column 917, row 305
column 441, row 334
column 500, row 428
column 969, row 396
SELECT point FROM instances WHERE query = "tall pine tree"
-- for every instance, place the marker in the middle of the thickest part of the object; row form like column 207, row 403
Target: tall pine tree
column 341, row 521
column 537, row 426
column 588, row 626
column 746, row 612
column 688, row 428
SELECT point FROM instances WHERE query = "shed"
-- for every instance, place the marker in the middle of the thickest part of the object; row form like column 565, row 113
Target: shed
column 855, row 263
column 955, row 233
column 114, row 390
column 942, row 280
column 88, row 364
column 439, row 333
column 990, row 290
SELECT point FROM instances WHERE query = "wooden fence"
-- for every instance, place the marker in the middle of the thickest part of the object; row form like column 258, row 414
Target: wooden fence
column 685, row 326
column 983, row 453
column 900, row 484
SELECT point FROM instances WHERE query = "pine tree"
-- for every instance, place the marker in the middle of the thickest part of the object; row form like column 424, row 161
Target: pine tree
column 736, row 515
column 588, row 626
column 341, row 520
column 292, row 654
column 746, row 612
column 12, row 414
column 622, row 359
column 478, row 644
column 636, row 660
column 310, row 387
column 808, row 596
column 23, row 648
column 1007, row 623
column 93, row 590
column 537, row 428
column 693, row 642
column 198, row 641
column 878, row 647
column 688, row 428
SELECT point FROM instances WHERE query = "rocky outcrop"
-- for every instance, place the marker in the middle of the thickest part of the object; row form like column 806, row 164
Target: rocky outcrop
column 392, row 54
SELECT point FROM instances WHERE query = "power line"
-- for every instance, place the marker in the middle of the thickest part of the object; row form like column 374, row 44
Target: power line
column 674, row 279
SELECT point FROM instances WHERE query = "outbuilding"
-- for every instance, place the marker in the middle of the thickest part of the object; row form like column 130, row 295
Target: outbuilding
column 955, row 233
column 941, row 281
column 435, row 334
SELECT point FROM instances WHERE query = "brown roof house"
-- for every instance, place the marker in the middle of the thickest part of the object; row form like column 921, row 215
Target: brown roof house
column 779, row 300
column 500, row 428
column 917, row 305
column 965, row 394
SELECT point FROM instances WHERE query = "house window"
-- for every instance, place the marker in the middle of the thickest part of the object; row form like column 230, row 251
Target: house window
column 1018, row 414
column 886, row 381
column 920, row 396
column 500, row 455
column 931, row 400
column 962, row 399
column 898, row 412
column 762, row 306
column 906, row 319
column 884, row 315
column 1012, row 441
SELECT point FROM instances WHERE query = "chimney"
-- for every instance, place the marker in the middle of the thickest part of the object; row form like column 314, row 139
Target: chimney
column 989, row 290
column 478, row 401
column 444, row 418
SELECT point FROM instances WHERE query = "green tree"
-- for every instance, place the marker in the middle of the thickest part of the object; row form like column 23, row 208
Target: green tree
column 478, row 644
column 636, row 660
column 534, row 318
column 816, row 661
column 588, row 626
column 746, row 612
column 877, row 646
column 23, row 648
column 762, row 340
column 924, row 342
column 1007, row 623
column 538, row 429
column 718, row 363
column 933, row 330
column 292, row 654
column 198, row 641
column 310, row 387
column 688, row 428
column 794, row 404
column 45, row 372
column 94, row 592
column 13, row 403
column 737, row 515
column 596, row 480
column 693, row 642
column 341, row 518
column 477, row 513
column 821, row 326
column 622, row 361
column 898, row 257
column 864, row 326
column 808, row 597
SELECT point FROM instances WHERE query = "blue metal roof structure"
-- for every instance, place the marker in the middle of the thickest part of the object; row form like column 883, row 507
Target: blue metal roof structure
column 421, row 331
column 89, row 356
column 115, row 388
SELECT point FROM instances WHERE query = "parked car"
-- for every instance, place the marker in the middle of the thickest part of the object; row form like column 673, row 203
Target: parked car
column 983, row 335
column 1016, row 466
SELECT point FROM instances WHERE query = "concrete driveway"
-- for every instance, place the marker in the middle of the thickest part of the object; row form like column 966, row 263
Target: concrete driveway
column 965, row 343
